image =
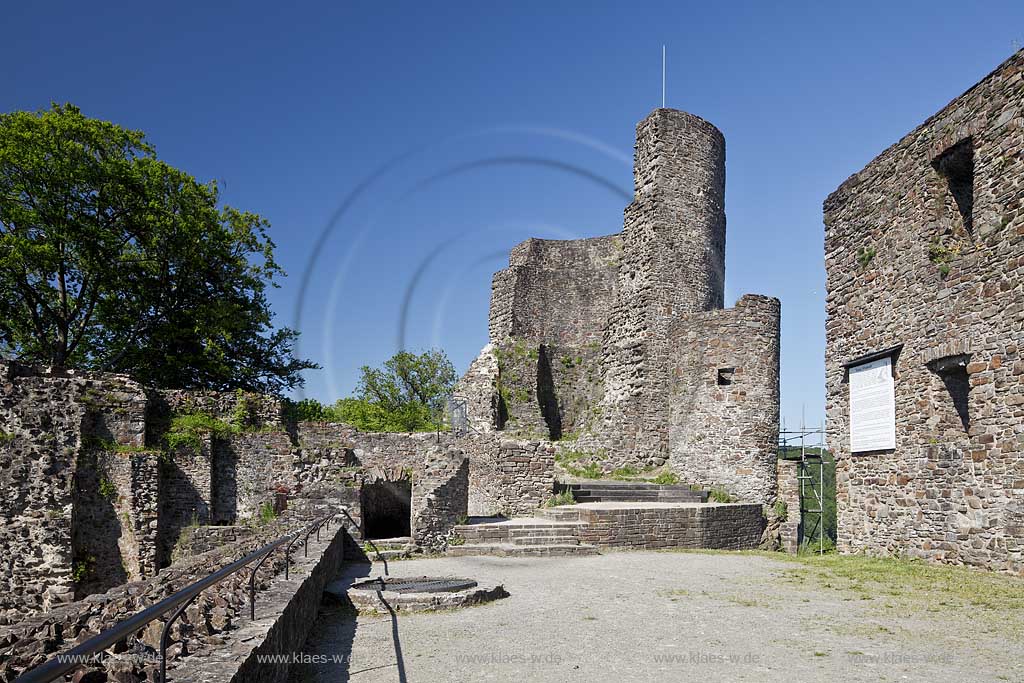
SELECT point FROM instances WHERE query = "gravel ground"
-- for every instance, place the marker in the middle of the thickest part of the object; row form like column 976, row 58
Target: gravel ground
column 659, row 616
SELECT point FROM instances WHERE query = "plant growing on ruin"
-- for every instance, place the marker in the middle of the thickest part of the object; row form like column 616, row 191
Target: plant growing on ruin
column 6, row 438
column 780, row 509
column 107, row 488
column 188, row 430
column 666, row 479
column 565, row 497
column 942, row 254
column 865, row 255
column 113, row 260
column 267, row 513
column 719, row 495
column 625, row 472
column 242, row 414
column 456, row 540
column 82, row 569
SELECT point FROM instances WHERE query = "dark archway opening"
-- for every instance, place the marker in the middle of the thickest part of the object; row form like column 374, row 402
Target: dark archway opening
column 386, row 508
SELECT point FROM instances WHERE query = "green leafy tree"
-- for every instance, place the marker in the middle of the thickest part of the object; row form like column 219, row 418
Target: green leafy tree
column 406, row 394
column 111, row 259
column 407, row 379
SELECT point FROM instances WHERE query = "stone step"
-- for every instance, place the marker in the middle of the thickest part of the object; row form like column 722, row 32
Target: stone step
column 389, row 555
column 547, row 540
column 538, row 524
column 509, row 550
column 611, row 485
column 524, row 534
column 629, row 491
column 566, row 513
column 638, row 497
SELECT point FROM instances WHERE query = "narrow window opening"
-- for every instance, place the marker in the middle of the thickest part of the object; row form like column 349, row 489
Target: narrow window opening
column 956, row 166
column 952, row 370
column 726, row 376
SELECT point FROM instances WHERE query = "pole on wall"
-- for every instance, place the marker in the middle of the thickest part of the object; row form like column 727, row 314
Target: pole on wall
column 663, row 76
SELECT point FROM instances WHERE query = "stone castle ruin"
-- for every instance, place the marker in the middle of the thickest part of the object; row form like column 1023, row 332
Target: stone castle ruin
column 616, row 352
column 621, row 346
column 924, row 252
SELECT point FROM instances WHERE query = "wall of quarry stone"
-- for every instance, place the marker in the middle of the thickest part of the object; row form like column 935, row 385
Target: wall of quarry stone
column 440, row 496
column 207, row 627
column 546, row 391
column 586, row 335
column 53, row 425
column 708, row 525
column 556, row 291
column 508, row 476
column 924, row 248
column 114, row 519
column 724, row 398
column 789, row 493
column 505, row 475
column 479, row 392
column 673, row 263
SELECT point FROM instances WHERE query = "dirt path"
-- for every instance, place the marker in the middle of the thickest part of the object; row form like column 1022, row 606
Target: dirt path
column 646, row 616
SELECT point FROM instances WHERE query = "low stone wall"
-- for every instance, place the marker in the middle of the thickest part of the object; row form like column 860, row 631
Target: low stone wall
column 285, row 615
column 202, row 539
column 440, row 497
column 789, row 493
column 32, row 641
column 649, row 526
column 506, row 476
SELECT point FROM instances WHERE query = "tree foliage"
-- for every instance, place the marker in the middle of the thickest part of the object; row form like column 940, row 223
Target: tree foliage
column 111, row 259
column 406, row 394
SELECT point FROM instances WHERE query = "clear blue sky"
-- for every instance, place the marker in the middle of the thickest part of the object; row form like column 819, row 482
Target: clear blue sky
column 509, row 121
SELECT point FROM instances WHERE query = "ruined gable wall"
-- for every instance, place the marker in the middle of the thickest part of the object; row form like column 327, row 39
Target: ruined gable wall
column 555, row 291
column 55, row 424
column 948, row 492
column 724, row 398
column 673, row 263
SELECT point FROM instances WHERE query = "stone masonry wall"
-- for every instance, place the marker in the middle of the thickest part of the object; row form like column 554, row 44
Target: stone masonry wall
column 114, row 519
column 210, row 620
column 556, row 291
column 789, row 493
column 479, row 389
column 53, row 423
column 724, row 398
column 924, row 247
column 440, row 496
column 673, row 263
column 705, row 525
column 505, row 475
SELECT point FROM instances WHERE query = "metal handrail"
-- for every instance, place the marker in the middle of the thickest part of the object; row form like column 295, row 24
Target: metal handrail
column 179, row 601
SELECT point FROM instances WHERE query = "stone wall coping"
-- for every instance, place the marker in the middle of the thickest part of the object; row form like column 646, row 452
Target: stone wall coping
column 612, row 505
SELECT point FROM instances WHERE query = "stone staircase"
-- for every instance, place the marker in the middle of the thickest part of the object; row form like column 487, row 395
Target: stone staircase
column 526, row 536
column 400, row 548
column 633, row 491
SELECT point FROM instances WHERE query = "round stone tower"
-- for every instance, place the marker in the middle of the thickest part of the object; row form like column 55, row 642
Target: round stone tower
column 673, row 264
column 679, row 206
